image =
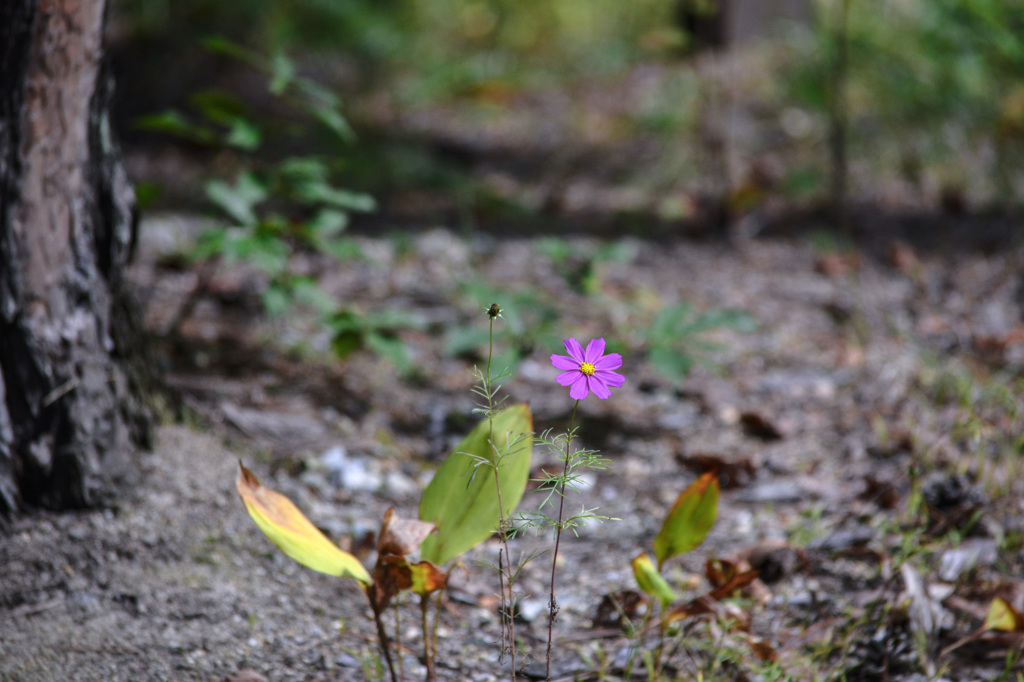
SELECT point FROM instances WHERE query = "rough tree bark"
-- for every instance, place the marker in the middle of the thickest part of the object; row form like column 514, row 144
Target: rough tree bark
column 71, row 413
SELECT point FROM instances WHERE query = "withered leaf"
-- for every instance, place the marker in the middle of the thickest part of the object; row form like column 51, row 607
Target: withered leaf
column 391, row 575
column 400, row 536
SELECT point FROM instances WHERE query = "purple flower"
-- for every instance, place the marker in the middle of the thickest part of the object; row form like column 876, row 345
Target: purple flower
column 589, row 370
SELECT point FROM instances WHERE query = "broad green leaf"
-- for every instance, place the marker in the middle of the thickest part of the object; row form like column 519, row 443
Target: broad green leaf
column 293, row 533
column 689, row 520
column 1002, row 616
column 461, row 500
column 650, row 581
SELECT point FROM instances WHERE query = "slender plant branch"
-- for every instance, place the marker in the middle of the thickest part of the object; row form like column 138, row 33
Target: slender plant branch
column 428, row 659
column 508, row 627
column 382, row 635
column 659, row 652
column 437, row 623
column 552, row 603
column 398, row 640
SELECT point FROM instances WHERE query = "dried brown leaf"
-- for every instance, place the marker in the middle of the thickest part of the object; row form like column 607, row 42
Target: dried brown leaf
column 400, row 536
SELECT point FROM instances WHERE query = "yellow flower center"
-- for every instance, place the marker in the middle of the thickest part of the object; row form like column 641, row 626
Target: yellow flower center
column 588, row 369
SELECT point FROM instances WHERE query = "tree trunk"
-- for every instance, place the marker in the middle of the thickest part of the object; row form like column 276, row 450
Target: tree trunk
column 71, row 413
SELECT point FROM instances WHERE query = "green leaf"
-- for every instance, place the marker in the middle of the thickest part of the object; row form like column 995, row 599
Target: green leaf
column 341, row 249
column 326, row 224
column 309, row 178
column 146, row 193
column 307, row 291
column 461, row 500
column 460, row 340
column 276, row 299
column 670, row 322
column 293, row 533
column 220, row 45
column 671, row 364
column 340, row 198
column 689, row 520
column 389, row 348
column 650, row 581
column 263, row 251
column 238, row 200
column 282, row 71
column 173, row 122
column 244, row 134
column 345, row 343
column 1002, row 616
column 219, row 106
column 739, row 320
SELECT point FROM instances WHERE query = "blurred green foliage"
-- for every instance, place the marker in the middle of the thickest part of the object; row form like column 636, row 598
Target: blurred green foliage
column 371, row 27
column 451, row 45
column 928, row 83
column 273, row 207
column 676, row 339
column 378, row 332
column 276, row 207
column 530, row 319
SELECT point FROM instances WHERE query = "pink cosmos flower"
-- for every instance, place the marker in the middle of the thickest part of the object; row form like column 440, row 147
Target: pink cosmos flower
column 589, row 370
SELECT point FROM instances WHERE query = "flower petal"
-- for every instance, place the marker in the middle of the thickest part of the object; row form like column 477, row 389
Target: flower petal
column 613, row 379
column 610, row 361
column 567, row 378
column 595, row 349
column 579, row 389
column 575, row 350
column 598, row 387
column 565, row 362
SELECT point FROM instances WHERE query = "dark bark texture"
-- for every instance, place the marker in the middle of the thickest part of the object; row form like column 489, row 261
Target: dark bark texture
column 71, row 413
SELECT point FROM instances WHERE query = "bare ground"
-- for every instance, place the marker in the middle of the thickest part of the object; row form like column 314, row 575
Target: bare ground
column 868, row 436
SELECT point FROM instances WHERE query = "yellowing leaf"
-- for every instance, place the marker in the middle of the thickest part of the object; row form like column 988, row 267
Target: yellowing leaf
column 426, row 578
column 293, row 533
column 650, row 581
column 461, row 500
column 689, row 520
column 1002, row 616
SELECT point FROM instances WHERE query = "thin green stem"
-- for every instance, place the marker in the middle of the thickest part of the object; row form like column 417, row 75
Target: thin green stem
column 662, row 632
column 552, row 603
column 504, row 570
column 644, row 627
